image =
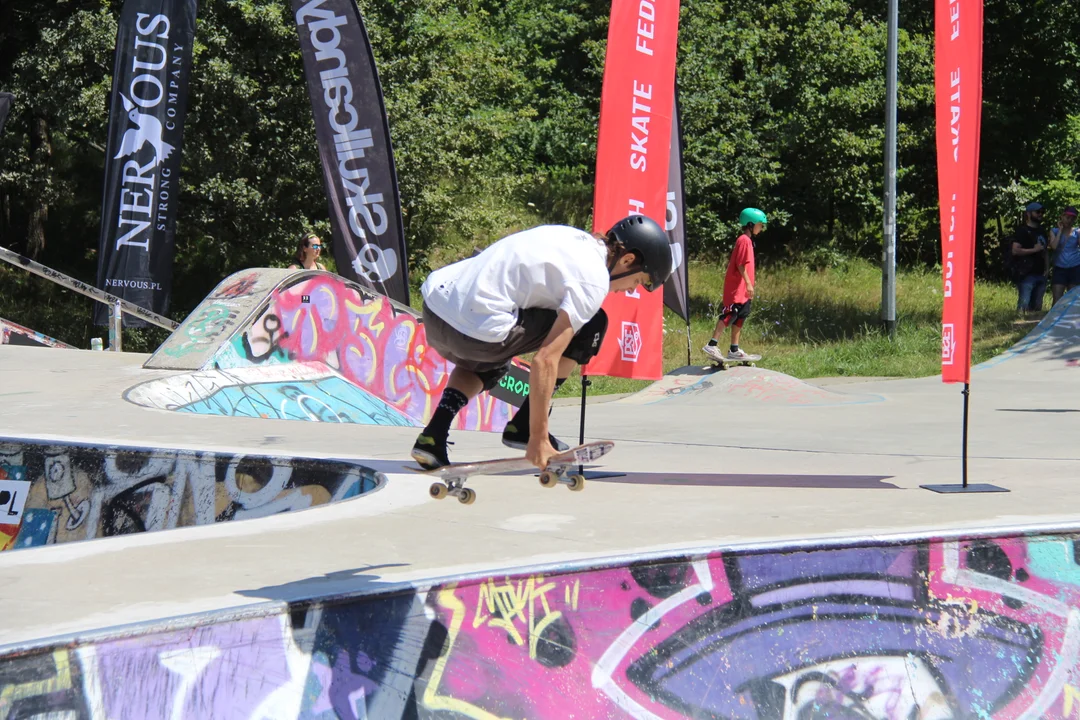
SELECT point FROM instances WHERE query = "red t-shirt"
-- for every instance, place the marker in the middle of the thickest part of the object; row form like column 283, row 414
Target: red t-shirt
column 734, row 286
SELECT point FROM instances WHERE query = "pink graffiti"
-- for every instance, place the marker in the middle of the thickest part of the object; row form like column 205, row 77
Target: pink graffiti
column 513, row 633
column 532, row 646
column 374, row 344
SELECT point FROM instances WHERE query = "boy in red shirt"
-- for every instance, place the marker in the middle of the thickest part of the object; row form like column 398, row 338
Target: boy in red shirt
column 738, row 288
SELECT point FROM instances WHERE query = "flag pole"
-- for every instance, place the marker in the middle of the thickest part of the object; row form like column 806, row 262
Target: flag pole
column 964, row 487
column 585, row 383
column 581, row 434
column 964, row 461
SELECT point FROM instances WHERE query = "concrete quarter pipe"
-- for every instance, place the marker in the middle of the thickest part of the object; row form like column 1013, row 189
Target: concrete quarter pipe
column 953, row 628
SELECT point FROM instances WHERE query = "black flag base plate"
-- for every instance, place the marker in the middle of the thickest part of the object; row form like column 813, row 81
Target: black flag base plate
column 598, row 475
column 962, row 490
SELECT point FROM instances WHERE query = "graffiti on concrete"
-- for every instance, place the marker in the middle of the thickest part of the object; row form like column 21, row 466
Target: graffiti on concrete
column 203, row 328
column 214, row 321
column 372, row 342
column 363, row 358
column 81, row 492
column 980, row 628
column 293, row 391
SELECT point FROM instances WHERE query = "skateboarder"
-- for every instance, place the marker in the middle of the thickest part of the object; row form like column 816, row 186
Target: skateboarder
column 738, row 287
column 537, row 290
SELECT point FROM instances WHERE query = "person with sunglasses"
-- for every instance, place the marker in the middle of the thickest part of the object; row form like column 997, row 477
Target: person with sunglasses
column 1065, row 242
column 307, row 253
column 539, row 290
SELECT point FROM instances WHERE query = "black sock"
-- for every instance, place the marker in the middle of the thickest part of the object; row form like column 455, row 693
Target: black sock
column 712, row 342
column 734, row 348
column 449, row 406
column 523, row 412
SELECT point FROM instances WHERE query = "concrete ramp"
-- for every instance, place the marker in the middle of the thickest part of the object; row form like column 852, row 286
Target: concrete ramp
column 1053, row 343
column 15, row 334
column 974, row 626
column 697, row 385
column 306, row 345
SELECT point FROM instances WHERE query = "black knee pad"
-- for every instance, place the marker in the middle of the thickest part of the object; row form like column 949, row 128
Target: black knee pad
column 491, row 378
column 585, row 345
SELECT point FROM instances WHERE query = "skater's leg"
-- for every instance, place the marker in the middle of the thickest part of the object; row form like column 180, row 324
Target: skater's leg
column 462, row 387
column 721, row 326
column 582, row 348
column 466, row 382
column 516, row 432
column 736, row 333
column 430, row 447
column 740, row 312
column 712, row 348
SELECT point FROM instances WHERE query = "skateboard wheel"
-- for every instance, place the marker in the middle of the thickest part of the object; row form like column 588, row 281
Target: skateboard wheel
column 438, row 491
column 467, row 496
column 577, row 483
column 549, row 479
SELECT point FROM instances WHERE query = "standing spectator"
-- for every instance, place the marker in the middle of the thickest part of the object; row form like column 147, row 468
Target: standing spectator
column 1065, row 242
column 1029, row 260
column 307, row 253
column 738, row 288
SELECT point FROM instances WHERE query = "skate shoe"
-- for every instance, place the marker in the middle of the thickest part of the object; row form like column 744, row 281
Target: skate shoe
column 430, row 453
column 714, row 352
column 738, row 355
column 519, row 440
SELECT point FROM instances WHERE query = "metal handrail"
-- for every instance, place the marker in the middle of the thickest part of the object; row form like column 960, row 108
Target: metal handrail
column 117, row 306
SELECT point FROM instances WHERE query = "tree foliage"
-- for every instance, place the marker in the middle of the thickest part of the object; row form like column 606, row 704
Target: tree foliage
column 493, row 110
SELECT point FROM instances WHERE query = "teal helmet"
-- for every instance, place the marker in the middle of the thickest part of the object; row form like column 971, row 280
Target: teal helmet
column 749, row 216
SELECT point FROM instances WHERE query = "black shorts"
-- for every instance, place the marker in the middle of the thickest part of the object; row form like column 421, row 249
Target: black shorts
column 736, row 311
column 1069, row 277
column 491, row 360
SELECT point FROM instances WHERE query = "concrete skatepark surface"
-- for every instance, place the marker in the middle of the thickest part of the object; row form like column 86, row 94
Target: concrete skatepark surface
column 765, row 551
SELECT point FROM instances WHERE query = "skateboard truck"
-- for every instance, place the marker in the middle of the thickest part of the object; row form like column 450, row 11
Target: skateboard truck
column 455, row 488
column 551, row 478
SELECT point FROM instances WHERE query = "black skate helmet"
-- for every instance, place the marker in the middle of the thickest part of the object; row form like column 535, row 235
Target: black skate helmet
column 645, row 237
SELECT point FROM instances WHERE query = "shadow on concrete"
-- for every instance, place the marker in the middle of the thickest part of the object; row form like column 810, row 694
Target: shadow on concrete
column 340, row 582
column 846, row 482
column 1038, row 410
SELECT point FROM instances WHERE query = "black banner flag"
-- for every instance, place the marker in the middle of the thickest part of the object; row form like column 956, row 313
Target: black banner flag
column 142, row 163
column 677, row 288
column 354, row 146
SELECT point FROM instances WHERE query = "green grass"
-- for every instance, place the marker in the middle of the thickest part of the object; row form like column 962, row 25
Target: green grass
column 806, row 323
column 823, row 323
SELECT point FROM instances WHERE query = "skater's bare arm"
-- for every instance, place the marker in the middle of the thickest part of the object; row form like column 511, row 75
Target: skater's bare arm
column 746, row 279
column 545, row 368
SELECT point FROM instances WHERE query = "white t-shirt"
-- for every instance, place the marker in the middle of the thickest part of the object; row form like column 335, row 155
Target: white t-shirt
column 550, row 266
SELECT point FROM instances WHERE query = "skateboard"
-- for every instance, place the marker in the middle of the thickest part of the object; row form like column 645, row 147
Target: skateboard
column 560, row 470
column 748, row 361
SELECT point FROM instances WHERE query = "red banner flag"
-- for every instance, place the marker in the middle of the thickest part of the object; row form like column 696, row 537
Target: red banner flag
column 632, row 169
column 958, row 83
